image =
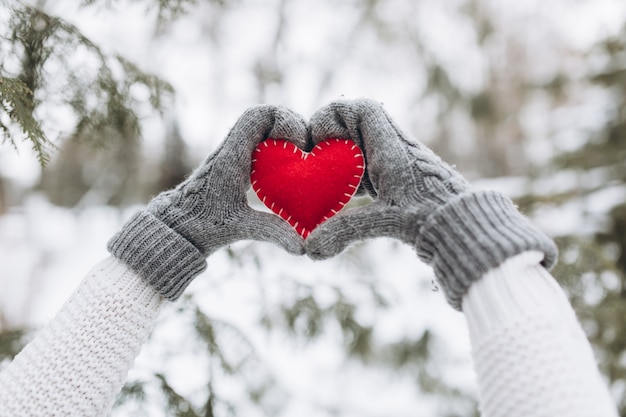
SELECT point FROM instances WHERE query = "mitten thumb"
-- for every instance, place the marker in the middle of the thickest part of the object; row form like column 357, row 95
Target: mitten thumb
column 268, row 227
column 375, row 220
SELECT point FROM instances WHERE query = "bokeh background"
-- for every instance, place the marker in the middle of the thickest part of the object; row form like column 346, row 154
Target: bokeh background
column 103, row 103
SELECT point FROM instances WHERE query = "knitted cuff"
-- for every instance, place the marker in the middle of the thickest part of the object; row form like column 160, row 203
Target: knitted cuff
column 166, row 260
column 474, row 233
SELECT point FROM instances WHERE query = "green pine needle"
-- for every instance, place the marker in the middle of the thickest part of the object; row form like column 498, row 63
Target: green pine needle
column 16, row 101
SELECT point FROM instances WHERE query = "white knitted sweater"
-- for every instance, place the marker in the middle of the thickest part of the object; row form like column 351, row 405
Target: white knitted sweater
column 530, row 354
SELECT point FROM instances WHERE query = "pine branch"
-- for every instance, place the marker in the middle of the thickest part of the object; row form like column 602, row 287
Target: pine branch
column 16, row 101
column 100, row 94
column 176, row 403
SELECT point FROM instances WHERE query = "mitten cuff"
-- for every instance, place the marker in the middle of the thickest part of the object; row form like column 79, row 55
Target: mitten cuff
column 165, row 259
column 474, row 233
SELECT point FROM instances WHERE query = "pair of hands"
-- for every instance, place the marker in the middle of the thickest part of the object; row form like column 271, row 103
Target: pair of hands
column 406, row 180
column 418, row 199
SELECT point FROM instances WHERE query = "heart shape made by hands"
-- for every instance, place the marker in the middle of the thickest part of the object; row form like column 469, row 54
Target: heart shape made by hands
column 306, row 189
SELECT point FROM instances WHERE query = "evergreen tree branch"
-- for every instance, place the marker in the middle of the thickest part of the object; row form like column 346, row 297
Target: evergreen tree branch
column 16, row 103
column 61, row 67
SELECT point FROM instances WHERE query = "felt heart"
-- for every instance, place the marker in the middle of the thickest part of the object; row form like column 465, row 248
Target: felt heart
column 304, row 188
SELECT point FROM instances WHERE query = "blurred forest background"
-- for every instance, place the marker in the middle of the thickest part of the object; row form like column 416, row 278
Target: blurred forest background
column 104, row 103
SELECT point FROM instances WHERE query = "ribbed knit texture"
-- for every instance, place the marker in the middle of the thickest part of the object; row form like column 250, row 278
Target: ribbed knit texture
column 167, row 243
column 406, row 179
column 78, row 363
column 530, row 354
column 163, row 257
column 474, row 233
column 422, row 201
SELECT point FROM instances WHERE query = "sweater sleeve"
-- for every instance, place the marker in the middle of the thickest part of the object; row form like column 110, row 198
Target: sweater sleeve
column 78, row 363
column 531, row 356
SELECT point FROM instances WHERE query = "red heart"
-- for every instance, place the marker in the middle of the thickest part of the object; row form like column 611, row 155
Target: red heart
column 303, row 188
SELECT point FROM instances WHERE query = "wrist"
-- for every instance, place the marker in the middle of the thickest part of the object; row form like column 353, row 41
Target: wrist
column 518, row 287
column 160, row 255
column 473, row 233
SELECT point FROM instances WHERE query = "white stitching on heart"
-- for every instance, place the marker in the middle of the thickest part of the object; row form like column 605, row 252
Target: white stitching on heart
column 287, row 217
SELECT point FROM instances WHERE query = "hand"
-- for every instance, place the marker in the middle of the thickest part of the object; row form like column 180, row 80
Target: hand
column 210, row 210
column 422, row 201
column 168, row 242
column 406, row 179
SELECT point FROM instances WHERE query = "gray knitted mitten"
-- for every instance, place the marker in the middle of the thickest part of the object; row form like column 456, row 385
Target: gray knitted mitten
column 422, row 201
column 168, row 242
